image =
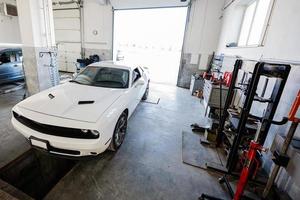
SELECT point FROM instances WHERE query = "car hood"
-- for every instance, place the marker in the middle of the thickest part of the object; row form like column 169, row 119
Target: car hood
column 73, row 101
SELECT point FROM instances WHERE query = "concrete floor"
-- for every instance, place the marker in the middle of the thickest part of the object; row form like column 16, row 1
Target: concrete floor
column 149, row 163
column 12, row 144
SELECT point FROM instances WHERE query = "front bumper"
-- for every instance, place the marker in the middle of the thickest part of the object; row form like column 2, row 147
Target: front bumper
column 62, row 145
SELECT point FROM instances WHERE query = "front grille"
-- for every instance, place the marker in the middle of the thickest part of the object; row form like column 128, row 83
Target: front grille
column 54, row 130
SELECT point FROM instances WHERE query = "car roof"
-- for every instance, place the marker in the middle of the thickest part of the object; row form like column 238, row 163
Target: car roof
column 114, row 64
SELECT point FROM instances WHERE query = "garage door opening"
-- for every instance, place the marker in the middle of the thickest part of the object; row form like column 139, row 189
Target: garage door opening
column 151, row 38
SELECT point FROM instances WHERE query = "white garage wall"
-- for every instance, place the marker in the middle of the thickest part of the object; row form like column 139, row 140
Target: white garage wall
column 97, row 31
column 282, row 39
column 281, row 44
column 201, row 37
column 9, row 26
column 203, row 28
column 68, row 39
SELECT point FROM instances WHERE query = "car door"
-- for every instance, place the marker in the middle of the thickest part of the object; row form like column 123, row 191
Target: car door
column 19, row 64
column 11, row 66
column 132, row 93
column 135, row 89
column 15, row 71
column 143, row 83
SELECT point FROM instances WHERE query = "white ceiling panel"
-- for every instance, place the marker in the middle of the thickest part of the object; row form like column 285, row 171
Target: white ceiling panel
column 134, row 4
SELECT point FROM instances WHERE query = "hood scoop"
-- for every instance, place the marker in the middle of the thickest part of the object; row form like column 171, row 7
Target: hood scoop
column 85, row 102
column 51, row 96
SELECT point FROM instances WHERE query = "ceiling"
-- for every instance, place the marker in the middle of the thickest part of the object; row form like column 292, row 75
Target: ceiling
column 134, row 4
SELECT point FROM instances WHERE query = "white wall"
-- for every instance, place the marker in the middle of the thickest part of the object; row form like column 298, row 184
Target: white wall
column 96, row 31
column 36, row 31
column 201, row 38
column 9, row 27
column 98, row 25
column 203, row 29
column 282, row 44
column 67, row 35
column 282, row 39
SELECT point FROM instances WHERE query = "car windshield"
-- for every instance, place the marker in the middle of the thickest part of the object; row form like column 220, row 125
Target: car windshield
column 103, row 77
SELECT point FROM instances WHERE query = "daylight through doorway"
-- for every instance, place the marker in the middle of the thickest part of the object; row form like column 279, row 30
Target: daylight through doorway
column 151, row 38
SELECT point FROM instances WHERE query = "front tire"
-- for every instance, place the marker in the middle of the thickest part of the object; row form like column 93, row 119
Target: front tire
column 119, row 133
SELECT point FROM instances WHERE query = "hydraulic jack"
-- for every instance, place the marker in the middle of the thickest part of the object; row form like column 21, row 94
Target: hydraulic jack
column 256, row 147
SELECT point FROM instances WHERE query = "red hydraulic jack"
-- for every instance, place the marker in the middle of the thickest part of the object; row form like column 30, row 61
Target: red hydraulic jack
column 256, row 147
column 249, row 163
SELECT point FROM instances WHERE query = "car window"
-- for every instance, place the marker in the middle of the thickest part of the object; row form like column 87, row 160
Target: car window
column 5, row 57
column 11, row 56
column 19, row 56
column 136, row 74
column 103, row 77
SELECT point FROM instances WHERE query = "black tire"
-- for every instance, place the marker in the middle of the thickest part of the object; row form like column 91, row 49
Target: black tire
column 119, row 133
column 145, row 96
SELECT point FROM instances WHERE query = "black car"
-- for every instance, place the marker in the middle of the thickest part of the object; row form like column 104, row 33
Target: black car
column 11, row 69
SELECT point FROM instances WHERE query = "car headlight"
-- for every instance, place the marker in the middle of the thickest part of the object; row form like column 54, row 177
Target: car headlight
column 93, row 132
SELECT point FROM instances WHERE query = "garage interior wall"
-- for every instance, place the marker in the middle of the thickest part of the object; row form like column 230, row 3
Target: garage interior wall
column 201, row 38
column 209, row 28
column 10, row 24
column 98, row 29
column 281, row 44
column 95, row 37
column 67, row 35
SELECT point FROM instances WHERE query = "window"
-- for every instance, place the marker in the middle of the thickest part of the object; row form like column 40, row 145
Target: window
column 11, row 56
column 103, row 77
column 4, row 57
column 253, row 24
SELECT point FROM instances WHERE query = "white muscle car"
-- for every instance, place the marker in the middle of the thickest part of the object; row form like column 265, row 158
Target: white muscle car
column 86, row 115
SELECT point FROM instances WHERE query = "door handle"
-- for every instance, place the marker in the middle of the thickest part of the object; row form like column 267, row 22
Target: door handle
column 15, row 65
